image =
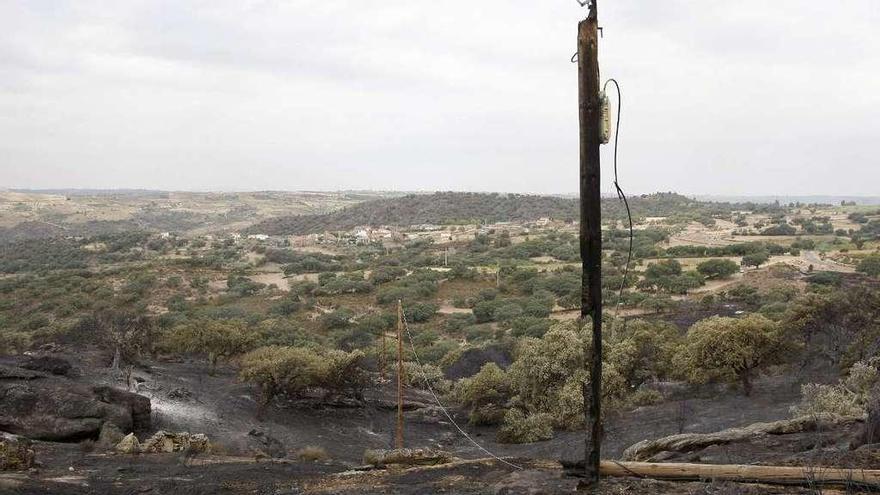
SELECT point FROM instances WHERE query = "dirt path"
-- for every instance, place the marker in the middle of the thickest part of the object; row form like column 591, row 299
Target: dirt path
column 448, row 309
column 812, row 258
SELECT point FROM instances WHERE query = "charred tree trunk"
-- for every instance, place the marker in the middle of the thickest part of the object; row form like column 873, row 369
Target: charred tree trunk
column 746, row 380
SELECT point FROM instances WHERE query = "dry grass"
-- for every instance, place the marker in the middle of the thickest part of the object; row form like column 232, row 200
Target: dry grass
column 312, row 453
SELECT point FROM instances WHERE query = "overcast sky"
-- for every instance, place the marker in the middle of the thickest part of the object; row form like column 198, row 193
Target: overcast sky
column 719, row 97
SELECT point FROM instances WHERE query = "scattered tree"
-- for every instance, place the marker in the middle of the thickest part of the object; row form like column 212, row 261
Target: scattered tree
column 732, row 349
column 215, row 338
column 755, row 259
column 293, row 371
column 717, row 268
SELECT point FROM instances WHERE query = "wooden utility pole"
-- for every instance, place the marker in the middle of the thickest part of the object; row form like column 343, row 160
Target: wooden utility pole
column 591, row 233
column 398, row 437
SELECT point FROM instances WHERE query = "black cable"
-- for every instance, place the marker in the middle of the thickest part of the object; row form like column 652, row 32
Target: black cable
column 621, row 196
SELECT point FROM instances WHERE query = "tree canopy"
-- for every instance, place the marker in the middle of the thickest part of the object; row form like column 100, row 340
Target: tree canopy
column 732, row 349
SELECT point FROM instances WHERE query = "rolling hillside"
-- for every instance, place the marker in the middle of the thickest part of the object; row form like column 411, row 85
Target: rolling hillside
column 458, row 207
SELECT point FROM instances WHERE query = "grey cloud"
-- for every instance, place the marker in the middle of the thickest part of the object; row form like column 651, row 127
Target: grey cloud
column 719, row 97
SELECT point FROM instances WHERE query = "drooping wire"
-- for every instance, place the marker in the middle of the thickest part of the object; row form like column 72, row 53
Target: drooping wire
column 440, row 404
column 622, row 196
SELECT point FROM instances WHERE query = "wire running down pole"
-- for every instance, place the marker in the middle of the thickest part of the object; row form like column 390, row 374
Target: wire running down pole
column 590, row 235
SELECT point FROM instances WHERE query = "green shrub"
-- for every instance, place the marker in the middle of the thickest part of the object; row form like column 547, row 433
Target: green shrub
column 485, row 395
column 484, row 311
column 13, row 342
column 529, row 326
column 479, row 333
column 457, row 321
column 376, row 323
column 286, row 307
column 387, row 295
column 349, row 339
column 539, row 304
column 826, row 278
column 385, row 274
column 420, row 312
column 507, row 311
column 520, row 427
column 415, row 375
column 548, row 375
column 243, row 286
column 435, row 352
column 643, row 351
column 644, row 397
column 283, row 332
column 821, row 399
column 337, row 319
column 293, row 371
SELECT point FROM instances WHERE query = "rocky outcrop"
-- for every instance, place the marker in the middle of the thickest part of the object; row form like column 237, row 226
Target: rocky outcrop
column 110, row 435
column 48, row 364
column 48, row 407
column 164, row 442
column 16, row 373
column 137, row 404
column 128, row 445
column 15, row 452
column 688, row 442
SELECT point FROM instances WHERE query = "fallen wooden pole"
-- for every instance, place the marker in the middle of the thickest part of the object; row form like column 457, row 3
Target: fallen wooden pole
column 778, row 475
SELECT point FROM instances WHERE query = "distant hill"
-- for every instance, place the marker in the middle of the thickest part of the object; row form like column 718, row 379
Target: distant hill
column 806, row 200
column 142, row 193
column 460, row 207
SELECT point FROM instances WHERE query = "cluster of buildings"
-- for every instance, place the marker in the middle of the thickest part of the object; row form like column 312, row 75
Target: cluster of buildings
column 364, row 235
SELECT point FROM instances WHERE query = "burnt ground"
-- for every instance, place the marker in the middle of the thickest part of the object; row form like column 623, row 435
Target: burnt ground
column 185, row 398
column 162, row 474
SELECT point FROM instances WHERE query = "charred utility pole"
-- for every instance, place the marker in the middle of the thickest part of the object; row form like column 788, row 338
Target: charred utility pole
column 591, row 232
column 398, row 437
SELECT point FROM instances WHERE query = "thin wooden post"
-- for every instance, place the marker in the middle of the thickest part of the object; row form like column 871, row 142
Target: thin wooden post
column 398, row 437
column 383, row 359
column 591, row 233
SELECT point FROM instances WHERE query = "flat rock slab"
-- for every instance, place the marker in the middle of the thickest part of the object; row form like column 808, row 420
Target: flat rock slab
column 49, row 407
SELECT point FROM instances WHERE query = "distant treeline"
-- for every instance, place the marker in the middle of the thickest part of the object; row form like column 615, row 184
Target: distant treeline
column 445, row 208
